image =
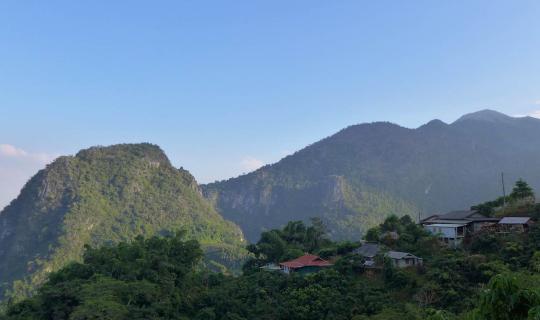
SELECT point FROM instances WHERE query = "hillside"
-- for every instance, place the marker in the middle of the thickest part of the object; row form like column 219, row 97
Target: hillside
column 105, row 195
column 413, row 276
column 361, row 174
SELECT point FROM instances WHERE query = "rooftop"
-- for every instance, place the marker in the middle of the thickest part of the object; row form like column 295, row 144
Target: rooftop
column 400, row 255
column 307, row 260
column 368, row 250
column 443, row 221
column 460, row 215
column 446, row 225
column 271, row 267
column 514, row 220
column 453, row 215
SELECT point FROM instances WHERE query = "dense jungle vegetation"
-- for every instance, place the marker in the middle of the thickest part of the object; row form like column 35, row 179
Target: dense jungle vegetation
column 493, row 277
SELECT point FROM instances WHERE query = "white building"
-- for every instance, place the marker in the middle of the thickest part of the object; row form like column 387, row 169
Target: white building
column 404, row 259
column 450, row 233
column 455, row 226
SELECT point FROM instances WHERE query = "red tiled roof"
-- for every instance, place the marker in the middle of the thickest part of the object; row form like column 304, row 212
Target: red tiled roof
column 307, row 260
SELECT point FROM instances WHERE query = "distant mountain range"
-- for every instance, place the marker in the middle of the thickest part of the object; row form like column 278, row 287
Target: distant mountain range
column 105, row 195
column 361, row 174
column 352, row 180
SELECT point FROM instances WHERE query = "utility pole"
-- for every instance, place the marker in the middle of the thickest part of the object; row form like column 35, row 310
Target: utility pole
column 504, row 191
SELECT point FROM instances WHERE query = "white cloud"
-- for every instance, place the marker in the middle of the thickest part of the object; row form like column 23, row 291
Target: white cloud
column 16, row 167
column 250, row 164
column 10, row 151
column 535, row 114
column 537, row 102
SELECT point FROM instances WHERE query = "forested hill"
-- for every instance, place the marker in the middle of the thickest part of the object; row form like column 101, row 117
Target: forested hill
column 495, row 276
column 356, row 177
column 104, row 195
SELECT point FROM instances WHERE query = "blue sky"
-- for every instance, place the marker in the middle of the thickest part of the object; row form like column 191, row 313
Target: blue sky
column 224, row 86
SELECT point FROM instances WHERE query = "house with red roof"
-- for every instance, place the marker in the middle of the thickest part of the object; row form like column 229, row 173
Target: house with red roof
column 307, row 263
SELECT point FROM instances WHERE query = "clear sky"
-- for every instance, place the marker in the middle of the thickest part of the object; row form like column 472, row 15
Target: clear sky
column 224, row 86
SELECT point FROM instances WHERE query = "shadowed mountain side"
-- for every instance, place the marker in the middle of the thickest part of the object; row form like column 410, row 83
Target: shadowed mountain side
column 361, row 174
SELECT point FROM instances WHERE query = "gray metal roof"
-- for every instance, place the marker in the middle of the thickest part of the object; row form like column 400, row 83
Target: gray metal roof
column 444, row 221
column 468, row 215
column 369, row 250
column 480, row 218
column 399, row 255
column 456, row 215
column 446, row 225
column 514, row 220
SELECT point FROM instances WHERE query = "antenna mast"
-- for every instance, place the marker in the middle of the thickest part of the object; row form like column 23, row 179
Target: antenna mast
column 504, row 191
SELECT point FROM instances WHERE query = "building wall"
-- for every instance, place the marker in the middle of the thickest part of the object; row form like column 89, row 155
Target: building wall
column 307, row 270
column 403, row 263
column 477, row 226
column 446, row 232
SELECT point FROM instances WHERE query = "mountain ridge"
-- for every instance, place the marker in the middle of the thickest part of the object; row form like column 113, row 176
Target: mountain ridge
column 486, row 115
column 384, row 168
column 352, row 179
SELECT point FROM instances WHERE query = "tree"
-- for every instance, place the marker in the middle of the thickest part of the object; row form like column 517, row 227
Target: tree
column 373, row 234
column 137, row 280
column 427, row 295
column 488, row 208
column 534, row 264
column 506, row 298
column 290, row 242
column 294, row 232
column 270, row 247
column 392, row 223
column 522, row 190
column 316, row 236
column 484, row 209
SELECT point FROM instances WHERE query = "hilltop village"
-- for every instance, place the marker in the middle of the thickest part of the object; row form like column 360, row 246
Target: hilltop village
column 454, row 230
column 477, row 264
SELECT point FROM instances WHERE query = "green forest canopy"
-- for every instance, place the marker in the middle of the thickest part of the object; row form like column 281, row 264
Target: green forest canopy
column 493, row 277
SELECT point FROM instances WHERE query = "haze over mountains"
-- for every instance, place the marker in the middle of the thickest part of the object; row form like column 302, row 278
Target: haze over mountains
column 364, row 172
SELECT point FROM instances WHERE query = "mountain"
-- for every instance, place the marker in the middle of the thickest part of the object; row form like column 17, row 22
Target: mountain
column 356, row 177
column 105, row 195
